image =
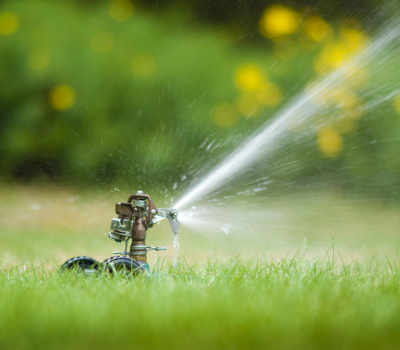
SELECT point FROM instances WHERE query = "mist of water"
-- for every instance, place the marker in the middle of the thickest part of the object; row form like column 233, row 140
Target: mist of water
column 303, row 108
column 204, row 209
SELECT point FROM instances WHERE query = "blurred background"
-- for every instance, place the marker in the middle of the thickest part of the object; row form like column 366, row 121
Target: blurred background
column 100, row 98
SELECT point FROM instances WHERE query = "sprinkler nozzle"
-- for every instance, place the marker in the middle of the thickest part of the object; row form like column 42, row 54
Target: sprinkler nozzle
column 171, row 215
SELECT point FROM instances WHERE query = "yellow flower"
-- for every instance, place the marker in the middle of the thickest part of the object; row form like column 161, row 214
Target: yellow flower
column 355, row 75
column 121, row 10
column 355, row 40
column 248, row 105
column 329, row 141
column 336, row 55
column 316, row 28
column 349, row 102
column 62, row 97
column 269, row 95
column 319, row 95
column 224, row 115
column 345, row 125
column 278, row 21
column 249, row 77
column 9, row 23
column 333, row 56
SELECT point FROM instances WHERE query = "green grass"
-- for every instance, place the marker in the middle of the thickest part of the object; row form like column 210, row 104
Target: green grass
column 290, row 304
column 339, row 296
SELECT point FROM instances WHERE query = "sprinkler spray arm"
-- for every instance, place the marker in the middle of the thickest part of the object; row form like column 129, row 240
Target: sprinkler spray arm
column 171, row 215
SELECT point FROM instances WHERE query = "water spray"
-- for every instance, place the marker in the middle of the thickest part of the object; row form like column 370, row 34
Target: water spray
column 135, row 217
column 301, row 109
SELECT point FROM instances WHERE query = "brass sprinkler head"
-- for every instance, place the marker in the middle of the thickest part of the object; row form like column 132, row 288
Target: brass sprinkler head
column 135, row 217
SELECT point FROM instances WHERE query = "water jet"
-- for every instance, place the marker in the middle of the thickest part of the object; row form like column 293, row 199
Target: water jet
column 314, row 109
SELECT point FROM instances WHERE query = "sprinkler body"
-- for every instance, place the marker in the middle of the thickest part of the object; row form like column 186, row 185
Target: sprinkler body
column 135, row 217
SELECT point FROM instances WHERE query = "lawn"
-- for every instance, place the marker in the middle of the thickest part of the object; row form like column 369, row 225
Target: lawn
column 290, row 304
column 212, row 299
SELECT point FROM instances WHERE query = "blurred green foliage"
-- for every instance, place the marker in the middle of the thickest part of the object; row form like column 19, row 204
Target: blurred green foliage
column 130, row 84
column 120, row 92
column 242, row 16
column 134, row 96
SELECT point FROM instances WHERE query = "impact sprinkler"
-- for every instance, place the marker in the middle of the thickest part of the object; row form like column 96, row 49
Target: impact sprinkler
column 135, row 217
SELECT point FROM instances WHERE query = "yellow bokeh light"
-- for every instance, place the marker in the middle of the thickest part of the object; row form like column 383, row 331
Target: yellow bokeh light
column 336, row 55
column 355, row 75
column 224, row 115
column 121, row 10
column 9, row 23
column 344, row 105
column 269, row 95
column 355, row 40
column 249, row 77
column 329, row 141
column 62, row 97
column 102, row 42
column 350, row 103
column 39, row 58
column 318, row 95
column 333, row 56
column 278, row 21
column 320, row 65
column 144, row 65
column 316, row 28
column 345, row 125
column 248, row 105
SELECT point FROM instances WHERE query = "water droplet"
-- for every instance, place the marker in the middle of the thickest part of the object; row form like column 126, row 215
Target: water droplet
column 225, row 229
